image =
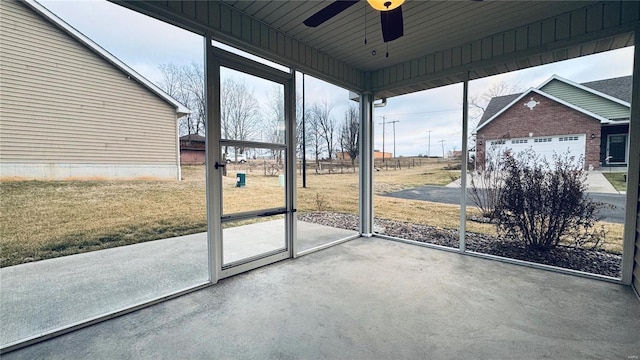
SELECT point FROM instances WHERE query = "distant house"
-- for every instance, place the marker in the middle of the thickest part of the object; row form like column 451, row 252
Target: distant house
column 192, row 150
column 589, row 120
column 377, row 154
column 70, row 109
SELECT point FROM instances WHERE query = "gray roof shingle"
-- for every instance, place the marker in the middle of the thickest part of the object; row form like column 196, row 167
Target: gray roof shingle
column 496, row 104
column 619, row 88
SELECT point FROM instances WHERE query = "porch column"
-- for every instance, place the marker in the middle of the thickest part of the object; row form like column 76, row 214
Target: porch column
column 463, row 166
column 366, row 164
column 633, row 173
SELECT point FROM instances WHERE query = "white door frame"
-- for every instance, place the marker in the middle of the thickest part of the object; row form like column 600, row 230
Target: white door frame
column 215, row 59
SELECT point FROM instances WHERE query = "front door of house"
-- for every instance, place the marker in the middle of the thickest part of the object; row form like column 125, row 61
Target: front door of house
column 250, row 200
column 617, row 148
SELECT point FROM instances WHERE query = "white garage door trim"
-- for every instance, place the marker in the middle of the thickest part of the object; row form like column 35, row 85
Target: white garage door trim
column 545, row 146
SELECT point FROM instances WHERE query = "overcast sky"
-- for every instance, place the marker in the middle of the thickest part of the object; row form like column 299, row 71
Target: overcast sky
column 144, row 43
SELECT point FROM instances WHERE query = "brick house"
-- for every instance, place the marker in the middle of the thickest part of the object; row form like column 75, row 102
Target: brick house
column 192, row 150
column 589, row 120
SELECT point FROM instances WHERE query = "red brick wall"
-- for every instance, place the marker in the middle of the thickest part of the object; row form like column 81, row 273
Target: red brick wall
column 546, row 118
column 192, row 157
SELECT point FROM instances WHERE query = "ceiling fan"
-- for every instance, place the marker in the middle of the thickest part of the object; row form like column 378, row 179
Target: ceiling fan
column 390, row 15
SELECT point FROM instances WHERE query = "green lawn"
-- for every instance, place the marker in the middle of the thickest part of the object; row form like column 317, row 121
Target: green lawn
column 617, row 179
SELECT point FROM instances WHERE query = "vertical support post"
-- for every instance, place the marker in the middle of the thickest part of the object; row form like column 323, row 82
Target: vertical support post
column 633, row 174
column 291, row 177
column 463, row 165
column 213, row 175
column 304, row 139
column 366, row 164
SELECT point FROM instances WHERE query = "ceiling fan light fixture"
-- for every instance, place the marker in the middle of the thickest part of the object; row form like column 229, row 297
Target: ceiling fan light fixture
column 385, row 5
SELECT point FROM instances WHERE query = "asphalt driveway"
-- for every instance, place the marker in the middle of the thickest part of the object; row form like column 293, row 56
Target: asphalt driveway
column 451, row 195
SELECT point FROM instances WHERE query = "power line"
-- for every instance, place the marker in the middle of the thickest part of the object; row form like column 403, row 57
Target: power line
column 425, row 112
column 394, row 135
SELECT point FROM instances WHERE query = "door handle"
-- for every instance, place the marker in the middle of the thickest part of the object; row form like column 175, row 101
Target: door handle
column 217, row 165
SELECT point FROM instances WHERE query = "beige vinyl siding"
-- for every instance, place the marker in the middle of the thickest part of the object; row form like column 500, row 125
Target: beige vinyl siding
column 586, row 100
column 62, row 103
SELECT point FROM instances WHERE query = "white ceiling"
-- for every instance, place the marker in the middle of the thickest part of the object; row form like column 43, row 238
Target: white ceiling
column 429, row 26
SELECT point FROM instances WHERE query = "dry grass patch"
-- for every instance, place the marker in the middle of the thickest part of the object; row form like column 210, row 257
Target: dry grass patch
column 41, row 219
column 45, row 219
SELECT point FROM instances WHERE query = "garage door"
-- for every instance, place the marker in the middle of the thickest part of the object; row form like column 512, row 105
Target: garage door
column 546, row 146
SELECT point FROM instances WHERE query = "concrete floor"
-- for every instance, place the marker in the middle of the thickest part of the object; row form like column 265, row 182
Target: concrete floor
column 45, row 295
column 373, row 299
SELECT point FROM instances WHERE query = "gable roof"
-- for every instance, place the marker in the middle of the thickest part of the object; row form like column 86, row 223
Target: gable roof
column 193, row 137
column 548, row 96
column 585, row 88
column 181, row 110
column 615, row 89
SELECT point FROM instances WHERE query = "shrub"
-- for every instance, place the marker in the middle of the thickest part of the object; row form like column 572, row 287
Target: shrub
column 486, row 183
column 542, row 204
column 321, row 202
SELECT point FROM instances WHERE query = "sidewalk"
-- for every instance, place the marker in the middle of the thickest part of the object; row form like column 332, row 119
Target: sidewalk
column 596, row 182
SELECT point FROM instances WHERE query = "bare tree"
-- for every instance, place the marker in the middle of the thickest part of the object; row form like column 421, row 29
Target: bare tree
column 274, row 120
column 349, row 134
column 239, row 111
column 313, row 137
column 326, row 125
column 300, row 136
column 478, row 102
column 186, row 84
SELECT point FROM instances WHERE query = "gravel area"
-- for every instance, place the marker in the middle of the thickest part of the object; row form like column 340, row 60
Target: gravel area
column 595, row 262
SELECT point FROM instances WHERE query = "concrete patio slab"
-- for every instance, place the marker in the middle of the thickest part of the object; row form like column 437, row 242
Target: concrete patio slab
column 45, row 295
column 373, row 299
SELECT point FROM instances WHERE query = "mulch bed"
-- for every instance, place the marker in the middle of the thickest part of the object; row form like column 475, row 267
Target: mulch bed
column 590, row 261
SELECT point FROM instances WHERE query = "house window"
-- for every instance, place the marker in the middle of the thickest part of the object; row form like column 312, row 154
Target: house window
column 519, row 141
column 498, row 142
column 542, row 140
column 568, row 138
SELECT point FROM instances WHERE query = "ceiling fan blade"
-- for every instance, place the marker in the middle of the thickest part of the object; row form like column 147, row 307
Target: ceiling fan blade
column 392, row 25
column 328, row 12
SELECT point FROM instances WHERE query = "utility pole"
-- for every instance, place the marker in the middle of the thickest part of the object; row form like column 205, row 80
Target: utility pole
column 429, row 149
column 383, row 123
column 394, row 135
column 442, row 141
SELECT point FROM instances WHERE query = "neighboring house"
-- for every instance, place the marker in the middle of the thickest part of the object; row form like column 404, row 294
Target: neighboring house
column 192, row 150
column 377, row 154
column 70, row 109
column 589, row 120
